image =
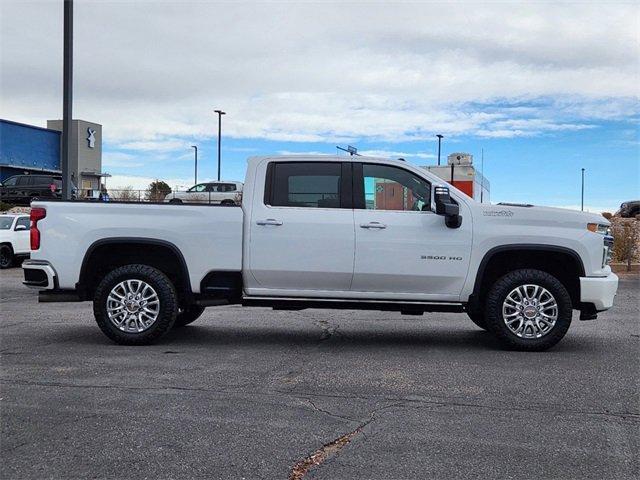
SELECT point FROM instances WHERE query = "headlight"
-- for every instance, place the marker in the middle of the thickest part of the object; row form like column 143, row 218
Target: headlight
column 599, row 228
column 607, row 251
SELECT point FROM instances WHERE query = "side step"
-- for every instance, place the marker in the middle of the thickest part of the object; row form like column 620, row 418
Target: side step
column 405, row 307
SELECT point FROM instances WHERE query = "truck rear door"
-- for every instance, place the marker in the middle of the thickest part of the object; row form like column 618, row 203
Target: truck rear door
column 302, row 232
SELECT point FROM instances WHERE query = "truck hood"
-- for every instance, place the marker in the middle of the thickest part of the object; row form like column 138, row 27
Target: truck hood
column 542, row 215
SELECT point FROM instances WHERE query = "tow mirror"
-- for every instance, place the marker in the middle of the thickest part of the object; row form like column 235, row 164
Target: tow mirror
column 447, row 207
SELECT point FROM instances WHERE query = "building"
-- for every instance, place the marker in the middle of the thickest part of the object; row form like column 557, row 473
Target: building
column 461, row 173
column 26, row 149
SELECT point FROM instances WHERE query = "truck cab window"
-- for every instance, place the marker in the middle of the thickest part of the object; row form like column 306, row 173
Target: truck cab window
column 305, row 184
column 393, row 188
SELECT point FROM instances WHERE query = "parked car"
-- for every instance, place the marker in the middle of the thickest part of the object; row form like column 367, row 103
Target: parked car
column 629, row 209
column 14, row 239
column 327, row 232
column 216, row 193
column 23, row 189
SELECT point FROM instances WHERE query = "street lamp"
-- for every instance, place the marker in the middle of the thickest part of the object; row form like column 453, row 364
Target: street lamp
column 220, row 113
column 67, row 98
column 582, row 196
column 195, row 149
column 440, row 137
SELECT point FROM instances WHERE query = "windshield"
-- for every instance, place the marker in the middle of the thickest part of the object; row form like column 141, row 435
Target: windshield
column 5, row 222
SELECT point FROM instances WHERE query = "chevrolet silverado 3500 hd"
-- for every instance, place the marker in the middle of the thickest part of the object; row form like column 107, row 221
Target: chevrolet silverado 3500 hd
column 326, row 232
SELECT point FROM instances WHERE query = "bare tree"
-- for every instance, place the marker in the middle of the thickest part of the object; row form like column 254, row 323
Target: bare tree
column 626, row 234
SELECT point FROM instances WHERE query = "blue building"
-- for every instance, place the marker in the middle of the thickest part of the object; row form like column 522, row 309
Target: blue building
column 28, row 149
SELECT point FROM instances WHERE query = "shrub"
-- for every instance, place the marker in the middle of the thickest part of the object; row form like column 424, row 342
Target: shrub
column 157, row 191
column 5, row 206
column 626, row 235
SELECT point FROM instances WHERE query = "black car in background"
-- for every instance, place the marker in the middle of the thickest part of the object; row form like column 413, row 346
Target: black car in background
column 629, row 209
column 22, row 189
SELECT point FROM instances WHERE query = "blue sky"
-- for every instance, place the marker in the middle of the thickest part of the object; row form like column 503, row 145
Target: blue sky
column 545, row 88
column 540, row 169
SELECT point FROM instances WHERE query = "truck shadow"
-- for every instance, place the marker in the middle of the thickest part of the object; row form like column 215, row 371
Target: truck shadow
column 265, row 336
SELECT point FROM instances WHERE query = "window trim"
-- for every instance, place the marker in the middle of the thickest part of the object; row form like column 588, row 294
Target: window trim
column 358, row 188
column 346, row 183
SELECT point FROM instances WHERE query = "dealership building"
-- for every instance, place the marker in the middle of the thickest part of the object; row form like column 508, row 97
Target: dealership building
column 29, row 149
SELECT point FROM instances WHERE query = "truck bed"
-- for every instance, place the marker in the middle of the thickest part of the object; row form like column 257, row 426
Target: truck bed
column 207, row 236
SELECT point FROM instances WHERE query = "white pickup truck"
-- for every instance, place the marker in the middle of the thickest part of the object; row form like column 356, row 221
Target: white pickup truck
column 326, row 232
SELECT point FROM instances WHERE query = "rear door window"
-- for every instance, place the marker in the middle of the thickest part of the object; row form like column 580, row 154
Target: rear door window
column 306, row 184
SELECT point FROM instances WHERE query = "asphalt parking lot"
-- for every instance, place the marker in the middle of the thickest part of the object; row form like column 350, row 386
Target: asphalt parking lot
column 252, row 393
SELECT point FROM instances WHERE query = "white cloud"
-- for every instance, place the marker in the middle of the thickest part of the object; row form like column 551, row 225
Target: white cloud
column 119, row 160
column 152, row 72
column 136, row 182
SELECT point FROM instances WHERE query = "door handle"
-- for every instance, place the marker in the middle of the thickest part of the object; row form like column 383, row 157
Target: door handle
column 373, row 225
column 269, row 221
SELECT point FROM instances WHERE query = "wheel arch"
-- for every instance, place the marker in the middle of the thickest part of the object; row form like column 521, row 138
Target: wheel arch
column 157, row 253
column 538, row 256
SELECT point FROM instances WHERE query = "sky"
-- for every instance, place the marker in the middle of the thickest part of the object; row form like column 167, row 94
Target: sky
column 542, row 88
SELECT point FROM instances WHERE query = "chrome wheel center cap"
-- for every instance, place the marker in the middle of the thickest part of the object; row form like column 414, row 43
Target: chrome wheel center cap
column 530, row 312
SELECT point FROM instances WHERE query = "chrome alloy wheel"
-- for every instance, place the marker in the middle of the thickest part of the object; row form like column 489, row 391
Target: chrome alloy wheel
column 530, row 311
column 133, row 306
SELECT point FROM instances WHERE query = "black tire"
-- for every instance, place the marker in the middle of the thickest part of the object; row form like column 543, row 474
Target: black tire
column 478, row 319
column 188, row 315
column 497, row 295
column 228, row 203
column 7, row 258
column 168, row 304
column 175, row 200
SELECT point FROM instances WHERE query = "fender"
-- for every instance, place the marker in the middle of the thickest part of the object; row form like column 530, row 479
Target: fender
column 128, row 240
column 514, row 247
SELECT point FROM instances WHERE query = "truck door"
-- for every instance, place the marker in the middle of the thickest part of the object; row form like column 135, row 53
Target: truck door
column 301, row 232
column 403, row 248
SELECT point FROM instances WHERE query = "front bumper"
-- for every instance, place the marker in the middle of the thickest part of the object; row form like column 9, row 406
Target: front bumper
column 599, row 291
column 39, row 274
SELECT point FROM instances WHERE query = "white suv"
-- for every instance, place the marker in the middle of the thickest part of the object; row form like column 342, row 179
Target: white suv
column 14, row 238
column 215, row 193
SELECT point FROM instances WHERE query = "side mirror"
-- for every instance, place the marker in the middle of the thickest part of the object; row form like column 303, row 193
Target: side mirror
column 446, row 207
column 20, row 227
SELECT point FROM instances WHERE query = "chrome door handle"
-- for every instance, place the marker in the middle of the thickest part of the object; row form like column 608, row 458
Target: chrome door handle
column 373, row 225
column 269, row 221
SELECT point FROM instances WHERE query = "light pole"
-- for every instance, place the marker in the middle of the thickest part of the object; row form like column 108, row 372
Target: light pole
column 195, row 150
column 67, row 98
column 439, row 142
column 220, row 113
column 582, row 195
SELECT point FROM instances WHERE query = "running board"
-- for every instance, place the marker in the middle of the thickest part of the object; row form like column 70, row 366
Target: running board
column 405, row 307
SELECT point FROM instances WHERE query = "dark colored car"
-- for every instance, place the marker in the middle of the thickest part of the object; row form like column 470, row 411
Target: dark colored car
column 22, row 189
column 629, row 209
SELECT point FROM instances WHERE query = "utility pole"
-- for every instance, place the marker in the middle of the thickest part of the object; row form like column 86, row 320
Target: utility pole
column 439, row 144
column 220, row 113
column 195, row 148
column 67, row 98
column 582, row 196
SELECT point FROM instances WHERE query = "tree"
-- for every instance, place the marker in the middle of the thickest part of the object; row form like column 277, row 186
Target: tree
column 157, row 191
column 626, row 234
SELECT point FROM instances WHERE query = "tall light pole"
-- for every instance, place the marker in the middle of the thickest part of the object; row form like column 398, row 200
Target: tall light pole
column 220, row 113
column 67, row 98
column 582, row 195
column 439, row 143
column 195, row 149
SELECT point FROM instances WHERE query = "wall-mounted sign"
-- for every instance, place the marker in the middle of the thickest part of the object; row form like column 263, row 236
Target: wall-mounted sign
column 91, row 138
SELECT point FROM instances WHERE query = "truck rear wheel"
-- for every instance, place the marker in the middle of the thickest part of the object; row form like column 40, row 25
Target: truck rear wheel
column 188, row 315
column 528, row 310
column 135, row 305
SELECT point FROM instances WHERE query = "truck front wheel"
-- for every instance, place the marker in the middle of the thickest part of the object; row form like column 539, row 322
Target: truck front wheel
column 135, row 305
column 528, row 310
